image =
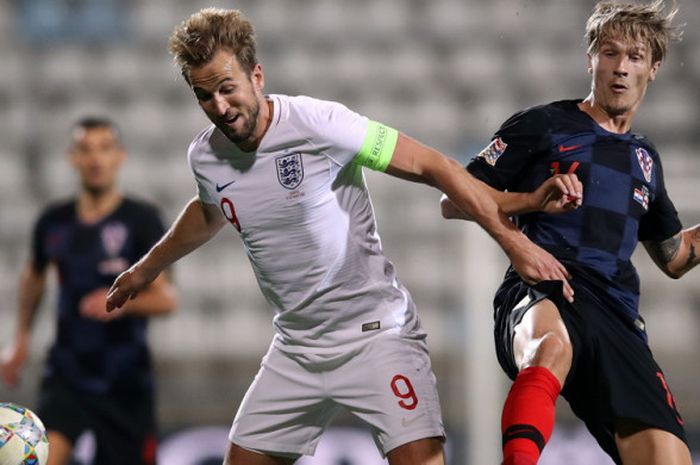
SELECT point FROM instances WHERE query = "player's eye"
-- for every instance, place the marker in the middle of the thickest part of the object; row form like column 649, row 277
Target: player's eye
column 202, row 96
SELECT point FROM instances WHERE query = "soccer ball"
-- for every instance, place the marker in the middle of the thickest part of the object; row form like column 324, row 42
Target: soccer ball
column 22, row 436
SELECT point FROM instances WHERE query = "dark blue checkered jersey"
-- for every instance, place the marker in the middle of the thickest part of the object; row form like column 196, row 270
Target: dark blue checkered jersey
column 96, row 357
column 625, row 200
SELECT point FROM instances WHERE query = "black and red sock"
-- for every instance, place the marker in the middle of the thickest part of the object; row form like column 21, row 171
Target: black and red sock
column 528, row 415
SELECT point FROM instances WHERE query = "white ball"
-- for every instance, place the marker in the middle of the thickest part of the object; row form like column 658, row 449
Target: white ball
column 22, row 436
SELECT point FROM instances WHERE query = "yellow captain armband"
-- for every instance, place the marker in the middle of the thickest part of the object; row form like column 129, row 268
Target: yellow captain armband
column 378, row 147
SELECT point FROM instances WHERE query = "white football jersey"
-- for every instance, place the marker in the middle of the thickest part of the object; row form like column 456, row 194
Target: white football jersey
column 305, row 217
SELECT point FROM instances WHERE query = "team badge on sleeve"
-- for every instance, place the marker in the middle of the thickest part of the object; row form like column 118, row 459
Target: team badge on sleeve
column 645, row 162
column 290, row 170
column 494, row 150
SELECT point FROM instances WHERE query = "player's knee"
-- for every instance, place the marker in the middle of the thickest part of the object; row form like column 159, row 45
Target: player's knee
column 554, row 352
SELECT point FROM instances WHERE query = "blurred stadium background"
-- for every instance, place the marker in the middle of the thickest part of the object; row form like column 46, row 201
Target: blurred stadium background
column 445, row 71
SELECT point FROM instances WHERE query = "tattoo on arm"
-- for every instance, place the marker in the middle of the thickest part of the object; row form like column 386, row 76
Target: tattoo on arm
column 668, row 249
column 692, row 255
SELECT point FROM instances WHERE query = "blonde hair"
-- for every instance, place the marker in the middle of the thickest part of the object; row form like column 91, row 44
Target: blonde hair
column 195, row 41
column 645, row 22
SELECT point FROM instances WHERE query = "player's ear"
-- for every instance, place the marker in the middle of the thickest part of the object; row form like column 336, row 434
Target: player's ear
column 654, row 69
column 72, row 157
column 257, row 77
column 121, row 155
column 589, row 63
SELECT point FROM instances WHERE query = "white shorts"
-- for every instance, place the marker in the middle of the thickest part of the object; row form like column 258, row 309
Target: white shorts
column 387, row 382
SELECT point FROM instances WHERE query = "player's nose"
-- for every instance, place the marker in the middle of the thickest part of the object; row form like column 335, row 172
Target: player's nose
column 220, row 104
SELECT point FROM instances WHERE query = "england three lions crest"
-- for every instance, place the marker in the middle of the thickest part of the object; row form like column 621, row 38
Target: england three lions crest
column 645, row 162
column 290, row 170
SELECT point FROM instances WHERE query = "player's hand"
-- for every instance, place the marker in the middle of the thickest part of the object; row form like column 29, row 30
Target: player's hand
column 12, row 361
column 93, row 306
column 127, row 286
column 559, row 194
column 535, row 264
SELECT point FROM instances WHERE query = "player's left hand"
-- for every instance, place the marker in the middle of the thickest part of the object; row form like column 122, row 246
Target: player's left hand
column 128, row 285
column 534, row 264
column 93, row 306
column 559, row 194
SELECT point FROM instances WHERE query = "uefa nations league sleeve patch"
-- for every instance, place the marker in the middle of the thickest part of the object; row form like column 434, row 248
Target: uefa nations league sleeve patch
column 493, row 151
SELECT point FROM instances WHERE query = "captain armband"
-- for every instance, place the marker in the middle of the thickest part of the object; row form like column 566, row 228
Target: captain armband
column 378, row 147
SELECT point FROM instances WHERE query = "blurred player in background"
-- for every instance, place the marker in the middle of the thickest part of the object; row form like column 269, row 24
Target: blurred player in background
column 286, row 173
column 98, row 375
column 594, row 351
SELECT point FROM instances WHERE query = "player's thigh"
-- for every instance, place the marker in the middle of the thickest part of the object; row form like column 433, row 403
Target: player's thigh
column 124, row 427
column 60, row 448
column 541, row 339
column 391, row 386
column 652, row 446
column 427, row 451
column 236, row 455
column 62, row 409
column 285, row 409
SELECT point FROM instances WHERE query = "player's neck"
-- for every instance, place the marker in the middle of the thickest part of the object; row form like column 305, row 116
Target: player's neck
column 92, row 207
column 264, row 121
column 615, row 123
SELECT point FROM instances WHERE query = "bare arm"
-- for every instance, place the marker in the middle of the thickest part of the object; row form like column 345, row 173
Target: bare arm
column 31, row 291
column 197, row 224
column 158, row 298
column 416, row 162
column 676, row 255
column 558, row 194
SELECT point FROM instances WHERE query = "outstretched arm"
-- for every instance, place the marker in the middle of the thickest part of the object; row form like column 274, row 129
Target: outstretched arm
column 678, row 254
column 197, row 223
column 158, row 298
column 558, row 194
column 31, row 290
column 414, row 161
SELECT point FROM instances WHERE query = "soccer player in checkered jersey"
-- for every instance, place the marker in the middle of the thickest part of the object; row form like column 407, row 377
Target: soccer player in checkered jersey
column 98, row 373
column 286, row 173
column 593, row 351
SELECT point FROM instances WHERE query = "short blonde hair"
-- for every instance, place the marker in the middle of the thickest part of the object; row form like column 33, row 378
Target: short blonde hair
column 195, row 41
column 645, row 22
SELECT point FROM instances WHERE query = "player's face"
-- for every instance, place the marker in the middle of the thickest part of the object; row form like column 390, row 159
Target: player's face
column 230, row 97
column 97, row 155
column 621, row 72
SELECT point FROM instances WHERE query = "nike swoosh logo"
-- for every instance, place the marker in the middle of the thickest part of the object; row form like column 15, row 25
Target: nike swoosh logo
column 220, row 188
column 405, row 422
column 564, row 148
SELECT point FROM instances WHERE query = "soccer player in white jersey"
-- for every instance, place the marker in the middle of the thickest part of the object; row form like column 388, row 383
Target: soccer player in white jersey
column 286, row 172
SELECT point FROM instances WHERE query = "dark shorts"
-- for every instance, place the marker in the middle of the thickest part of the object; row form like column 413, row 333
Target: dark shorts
column 613, row 376
column 124, row 427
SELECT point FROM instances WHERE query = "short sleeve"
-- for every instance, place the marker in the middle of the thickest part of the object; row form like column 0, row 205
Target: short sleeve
column 661, row 221
column 335, row 130
column 192, row 153
column 39, row 255
column 202, row 192
column 349, row 137
column 514, row 146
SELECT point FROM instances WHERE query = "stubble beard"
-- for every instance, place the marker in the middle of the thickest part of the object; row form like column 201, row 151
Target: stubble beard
column 248, row 127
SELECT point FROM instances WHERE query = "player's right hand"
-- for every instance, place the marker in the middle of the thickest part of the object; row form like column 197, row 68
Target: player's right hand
column 559, row 194
column 127, row 286
column 12, row 361
column 535, row 264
